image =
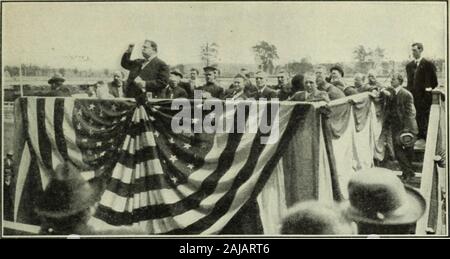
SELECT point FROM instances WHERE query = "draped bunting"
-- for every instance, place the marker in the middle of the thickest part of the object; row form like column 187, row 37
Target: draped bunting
column 181, row 183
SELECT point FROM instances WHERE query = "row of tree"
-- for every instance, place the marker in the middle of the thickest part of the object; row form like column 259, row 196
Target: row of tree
column 46, row 71
column 265, row 56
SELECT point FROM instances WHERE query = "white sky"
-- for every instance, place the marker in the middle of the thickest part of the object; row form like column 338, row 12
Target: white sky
column 55, row 34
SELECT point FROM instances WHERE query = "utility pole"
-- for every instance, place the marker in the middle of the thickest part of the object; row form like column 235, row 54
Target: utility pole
column 207, row 54
column 20, row 80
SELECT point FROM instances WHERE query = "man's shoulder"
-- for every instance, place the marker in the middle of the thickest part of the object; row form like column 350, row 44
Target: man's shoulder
column 410, row 63
column 405, row 93
column 159, row 61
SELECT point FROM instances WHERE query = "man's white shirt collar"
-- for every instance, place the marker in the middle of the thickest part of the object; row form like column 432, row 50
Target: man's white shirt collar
column 418, row 60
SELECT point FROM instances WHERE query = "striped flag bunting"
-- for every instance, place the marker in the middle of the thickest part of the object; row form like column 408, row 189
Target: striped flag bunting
column 154, row 178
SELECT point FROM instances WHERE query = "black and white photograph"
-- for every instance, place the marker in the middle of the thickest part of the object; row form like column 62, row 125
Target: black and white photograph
column 216, row 119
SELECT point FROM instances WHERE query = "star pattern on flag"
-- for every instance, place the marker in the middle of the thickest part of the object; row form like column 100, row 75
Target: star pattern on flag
column 190, row 166
column 173, row 158
column 174, row 179
column 187, row 146
column 114, row 107
column 80, row 112
column 91, row 106
column 99, row 144
column 156, row 133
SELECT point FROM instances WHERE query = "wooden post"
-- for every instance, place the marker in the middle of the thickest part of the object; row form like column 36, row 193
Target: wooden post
column 428, row 161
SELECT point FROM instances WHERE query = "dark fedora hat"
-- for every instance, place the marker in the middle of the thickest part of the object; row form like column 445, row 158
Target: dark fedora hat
column 338, row 68
column 56, row 78
column 177, row 72
column 377, row 196
column 67, row 194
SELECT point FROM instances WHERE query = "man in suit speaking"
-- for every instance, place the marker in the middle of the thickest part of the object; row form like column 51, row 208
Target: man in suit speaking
column 147, row 75
column 421, row 74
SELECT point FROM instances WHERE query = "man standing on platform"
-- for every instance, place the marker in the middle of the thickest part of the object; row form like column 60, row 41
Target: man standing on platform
column 421, row 74
column 147, row 75
column 401, row 118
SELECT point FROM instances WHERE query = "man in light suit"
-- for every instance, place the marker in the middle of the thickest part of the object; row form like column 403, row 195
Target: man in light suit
column 401, row 118
column 149, row 74
column 421, row 74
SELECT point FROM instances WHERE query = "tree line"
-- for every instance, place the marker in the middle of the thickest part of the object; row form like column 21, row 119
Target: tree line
column 265, row 53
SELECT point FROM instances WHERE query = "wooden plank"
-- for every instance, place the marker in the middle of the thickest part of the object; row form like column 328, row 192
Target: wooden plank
column 428, row 165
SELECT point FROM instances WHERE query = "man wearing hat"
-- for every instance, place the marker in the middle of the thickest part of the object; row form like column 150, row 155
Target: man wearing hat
column 67, row 203
column 380, row 203
column 149, row 74
column 116, row 86
column 173, row 90
column 401, row 119
column 56, row 84
column 211, row 88
column 332, row 91
column 316, row 218
column 337, row 74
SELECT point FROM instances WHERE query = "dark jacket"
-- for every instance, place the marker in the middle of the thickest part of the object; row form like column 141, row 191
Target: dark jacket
column 155, row 74
column 232, row 91
column 421, row 78
column 333, row 92
column 401, row 112
column 62, row 91
column 316, row 97
column 214, row 89
column 349, row 90
column 267, row 93
column 173, row 93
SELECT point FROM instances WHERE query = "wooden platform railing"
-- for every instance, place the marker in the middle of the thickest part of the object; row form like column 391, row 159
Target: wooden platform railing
column 431, row 182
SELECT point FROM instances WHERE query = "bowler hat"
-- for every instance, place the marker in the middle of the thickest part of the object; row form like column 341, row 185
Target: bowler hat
column 67, row 194
column 407, row 139
column 56, row 78
column 377, row 196
column 338, row 68
column 177, row 72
